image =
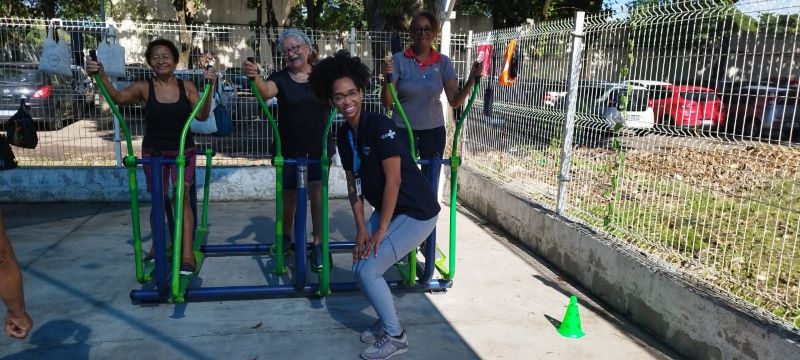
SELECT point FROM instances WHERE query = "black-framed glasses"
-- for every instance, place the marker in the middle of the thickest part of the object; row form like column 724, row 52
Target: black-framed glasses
column 422, row 30
column 338, row 98
column 295, row 49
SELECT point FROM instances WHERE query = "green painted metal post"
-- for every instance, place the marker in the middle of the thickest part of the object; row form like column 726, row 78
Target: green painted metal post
column 325, row 275
column 455, row 163
column 277, row 160
column 130, row 163
column 180, row 162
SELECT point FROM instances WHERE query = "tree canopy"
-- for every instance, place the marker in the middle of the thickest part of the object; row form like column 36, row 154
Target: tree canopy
column 510, row 13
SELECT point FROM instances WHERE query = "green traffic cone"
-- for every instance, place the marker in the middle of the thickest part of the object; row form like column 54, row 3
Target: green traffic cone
column 571, row 326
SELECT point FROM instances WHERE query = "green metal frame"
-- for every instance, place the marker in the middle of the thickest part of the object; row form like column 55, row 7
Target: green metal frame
column 402, row 112
column 277, row 161
column 455, row 162
column 325, row 274
column 409, row 270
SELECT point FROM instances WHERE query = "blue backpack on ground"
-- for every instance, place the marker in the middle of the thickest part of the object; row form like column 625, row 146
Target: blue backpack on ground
column 21, row 130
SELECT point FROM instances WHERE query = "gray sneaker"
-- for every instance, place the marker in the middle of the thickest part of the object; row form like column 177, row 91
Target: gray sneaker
column 386, row 346
column 372, row 334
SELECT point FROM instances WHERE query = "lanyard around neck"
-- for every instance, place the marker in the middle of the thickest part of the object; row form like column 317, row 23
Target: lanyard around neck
column 356, row 160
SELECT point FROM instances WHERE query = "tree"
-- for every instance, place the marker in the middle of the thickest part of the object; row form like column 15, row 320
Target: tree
column 394, row 15
column 67, row 9
column 335, row 15
column 510, row 13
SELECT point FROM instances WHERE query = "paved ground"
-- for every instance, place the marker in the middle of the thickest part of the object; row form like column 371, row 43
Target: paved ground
column 78, row 268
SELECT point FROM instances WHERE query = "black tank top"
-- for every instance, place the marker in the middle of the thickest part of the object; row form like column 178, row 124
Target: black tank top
column 164, row 122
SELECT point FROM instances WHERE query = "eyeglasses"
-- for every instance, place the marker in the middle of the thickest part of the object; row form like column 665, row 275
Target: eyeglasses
column 295, row 49
column 353, row 95
column 422, row 30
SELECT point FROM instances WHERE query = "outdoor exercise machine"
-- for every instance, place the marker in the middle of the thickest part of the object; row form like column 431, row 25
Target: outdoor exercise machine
column 172, row 287
column 445, row 269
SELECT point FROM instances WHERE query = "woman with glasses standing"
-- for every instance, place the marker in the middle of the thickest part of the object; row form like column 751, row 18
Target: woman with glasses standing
column 301, row 122
column 420, row 74
column 380, row 169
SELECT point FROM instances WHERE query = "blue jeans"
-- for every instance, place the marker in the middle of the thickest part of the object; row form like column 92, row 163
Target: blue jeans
column 403, row 236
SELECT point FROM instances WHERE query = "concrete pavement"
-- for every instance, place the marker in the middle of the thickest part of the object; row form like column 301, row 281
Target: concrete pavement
column 78, row 269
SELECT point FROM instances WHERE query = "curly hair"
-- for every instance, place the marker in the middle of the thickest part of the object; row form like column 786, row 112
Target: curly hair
column 161, row 42
column 340, row 65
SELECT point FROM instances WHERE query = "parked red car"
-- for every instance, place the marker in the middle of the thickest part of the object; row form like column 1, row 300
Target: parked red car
column 684, row 105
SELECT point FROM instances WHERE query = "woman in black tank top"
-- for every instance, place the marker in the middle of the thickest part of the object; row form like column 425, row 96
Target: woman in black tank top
column 301, row 122
column 168, row 102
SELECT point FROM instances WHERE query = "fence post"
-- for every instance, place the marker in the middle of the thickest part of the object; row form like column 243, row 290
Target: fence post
column 569, row 123
column 117, row 137
column 353, row 41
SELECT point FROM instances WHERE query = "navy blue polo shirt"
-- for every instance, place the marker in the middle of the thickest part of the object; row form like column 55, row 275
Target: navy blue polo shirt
column 379, row 139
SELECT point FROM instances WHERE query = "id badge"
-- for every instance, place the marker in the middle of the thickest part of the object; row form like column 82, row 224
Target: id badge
column 358, row 186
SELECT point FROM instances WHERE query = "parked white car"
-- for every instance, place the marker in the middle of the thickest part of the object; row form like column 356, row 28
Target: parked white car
column 647, row 84
column 639, row 113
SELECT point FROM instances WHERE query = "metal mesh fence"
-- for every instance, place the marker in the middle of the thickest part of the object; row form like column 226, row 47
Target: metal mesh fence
column 685, row 138
column 76, row 127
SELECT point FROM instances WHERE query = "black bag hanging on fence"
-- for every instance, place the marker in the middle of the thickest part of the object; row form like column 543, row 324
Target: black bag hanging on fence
column 7, row 160
column 397, row 43
column 21, row 130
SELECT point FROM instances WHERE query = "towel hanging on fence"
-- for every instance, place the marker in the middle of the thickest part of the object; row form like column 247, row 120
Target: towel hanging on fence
column 510, row 64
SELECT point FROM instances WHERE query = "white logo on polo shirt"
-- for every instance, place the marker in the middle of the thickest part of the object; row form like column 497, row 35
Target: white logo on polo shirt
column 389, row 134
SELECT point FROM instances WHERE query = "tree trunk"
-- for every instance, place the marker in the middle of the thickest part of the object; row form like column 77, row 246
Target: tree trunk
column 48, row 8
column 184, row 17
column 313, row 9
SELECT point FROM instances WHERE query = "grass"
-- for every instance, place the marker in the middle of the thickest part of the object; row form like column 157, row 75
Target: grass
column 740, row 236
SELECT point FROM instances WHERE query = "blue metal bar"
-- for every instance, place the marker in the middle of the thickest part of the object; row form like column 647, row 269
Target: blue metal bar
column 164, row 161
column 261, row 248
column 272, row 291
column 342, row 245
column 235, row 248
column 307, row 161
column 300, row 227
column 433, row 160
column 435, row 166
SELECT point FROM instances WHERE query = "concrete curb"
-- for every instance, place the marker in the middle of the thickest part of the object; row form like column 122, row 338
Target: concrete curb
column 40, row 184
column 688, row 317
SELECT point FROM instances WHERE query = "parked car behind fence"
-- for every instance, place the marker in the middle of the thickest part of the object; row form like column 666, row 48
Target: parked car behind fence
column 687, row 106
column 765, row 110
column 54, row 100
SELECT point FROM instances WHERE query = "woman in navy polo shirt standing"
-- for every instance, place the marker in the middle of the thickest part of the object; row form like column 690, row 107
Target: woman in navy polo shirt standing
column 379, row 168
column 420, row 74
